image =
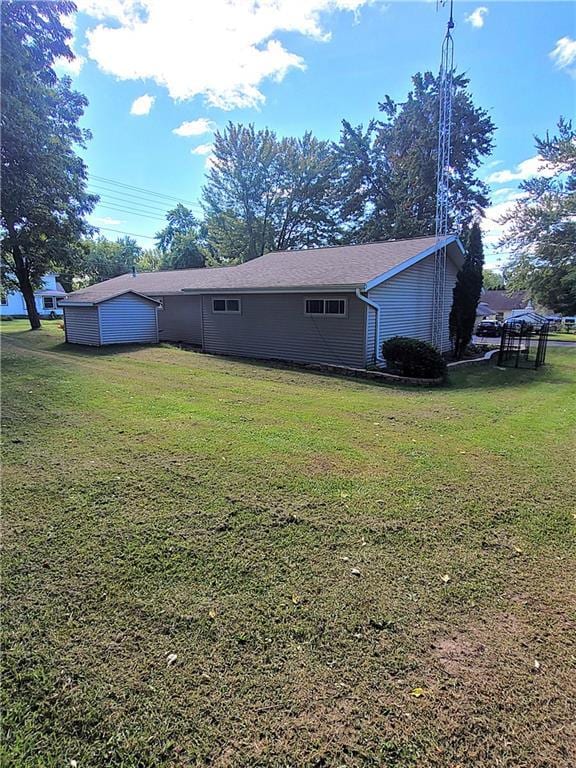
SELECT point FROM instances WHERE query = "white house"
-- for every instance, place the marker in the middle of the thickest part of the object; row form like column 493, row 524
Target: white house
column 12, row 303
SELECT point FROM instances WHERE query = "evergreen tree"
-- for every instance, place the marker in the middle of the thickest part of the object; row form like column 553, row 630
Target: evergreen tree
column 44, row 198
column 467, row 293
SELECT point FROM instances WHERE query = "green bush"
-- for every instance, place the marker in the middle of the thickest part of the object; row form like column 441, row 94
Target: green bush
column 414, row 358
column 6, row 318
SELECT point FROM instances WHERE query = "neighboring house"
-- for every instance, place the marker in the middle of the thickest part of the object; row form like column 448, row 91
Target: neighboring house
column 503, row 303
column 324, row 305
column 47, row 298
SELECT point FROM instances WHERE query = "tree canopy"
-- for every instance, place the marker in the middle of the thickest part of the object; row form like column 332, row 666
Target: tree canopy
column 541, row 227
column 387, row 184
column 180, row 242
column 263, row 193
column 44, row 198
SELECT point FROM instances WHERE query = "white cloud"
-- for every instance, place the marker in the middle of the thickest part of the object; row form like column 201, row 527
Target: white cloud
column 564, row 55
column 70, row 67
column 195, row 127
column 533, row 166
column 66, row 66
column 105, row 221
column 142, row 105
column 202, row 149
column 221, row 49
column 476, row 18
column 492, row 229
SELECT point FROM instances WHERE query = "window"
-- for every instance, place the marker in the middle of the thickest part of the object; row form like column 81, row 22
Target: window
column 326, row 307
column 49, row 302
column 226, row 306
column 4, row 299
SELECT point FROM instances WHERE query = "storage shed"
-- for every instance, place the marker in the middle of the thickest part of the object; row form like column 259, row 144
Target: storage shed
column 126, row 318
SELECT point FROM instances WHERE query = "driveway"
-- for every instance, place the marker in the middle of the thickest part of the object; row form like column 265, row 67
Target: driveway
column 496, row 342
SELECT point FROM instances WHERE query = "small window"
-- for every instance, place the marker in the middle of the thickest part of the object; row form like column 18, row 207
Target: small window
column 227, row 306
column 49, row 302
column 4, row 299
column 326, row 307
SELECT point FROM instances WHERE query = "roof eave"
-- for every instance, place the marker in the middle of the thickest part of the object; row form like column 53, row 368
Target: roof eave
column 414, row 260
column 344, row 288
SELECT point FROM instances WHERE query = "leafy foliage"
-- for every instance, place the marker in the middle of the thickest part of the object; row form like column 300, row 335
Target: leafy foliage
column 44, row 198
column 492, row 280
column 388, row 181
column 106, row 259
column 413, row 357
column 265, row 193
column 542, row 228
column 180, row 241
column 467, row 293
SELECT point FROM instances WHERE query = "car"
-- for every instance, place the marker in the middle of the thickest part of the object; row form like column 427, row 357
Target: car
column 489, row 328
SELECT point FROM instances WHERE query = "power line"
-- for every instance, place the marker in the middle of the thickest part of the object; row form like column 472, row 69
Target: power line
column 140, row 189
column 127, row 201
column 99, row 190
column 130, row 212
column 120, row 232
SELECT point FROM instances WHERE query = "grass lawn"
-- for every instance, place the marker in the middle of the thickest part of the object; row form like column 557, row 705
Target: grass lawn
column 563, row 337
column 210, row 562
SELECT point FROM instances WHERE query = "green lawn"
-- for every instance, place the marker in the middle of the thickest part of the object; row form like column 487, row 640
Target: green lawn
column 210, row 562
column 563, row 337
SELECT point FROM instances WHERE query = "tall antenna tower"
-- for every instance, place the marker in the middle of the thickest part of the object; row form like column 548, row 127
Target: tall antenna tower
column 443, row 177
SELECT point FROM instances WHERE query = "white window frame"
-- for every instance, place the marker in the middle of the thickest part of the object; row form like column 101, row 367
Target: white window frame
column 227, row 311
column 52, row 299
column 4, row 300
column 339, row 315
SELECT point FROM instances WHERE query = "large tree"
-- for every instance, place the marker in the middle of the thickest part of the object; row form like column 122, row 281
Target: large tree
column 387, row 185
column 180, row 242
column 263, row 193
column 467, row 293
column 105, row 258
column 44, row 198
column 541, row 227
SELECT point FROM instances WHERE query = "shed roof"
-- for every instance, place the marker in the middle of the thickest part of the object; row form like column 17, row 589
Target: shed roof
column 338, row 268
column 85, row 299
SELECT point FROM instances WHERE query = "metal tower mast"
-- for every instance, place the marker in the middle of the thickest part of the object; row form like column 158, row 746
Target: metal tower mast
column 443, row 179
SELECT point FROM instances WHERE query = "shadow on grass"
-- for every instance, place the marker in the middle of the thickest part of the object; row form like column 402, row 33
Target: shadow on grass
column 480, row 377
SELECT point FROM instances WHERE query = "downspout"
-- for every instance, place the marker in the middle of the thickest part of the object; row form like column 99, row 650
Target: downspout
column 376, row 307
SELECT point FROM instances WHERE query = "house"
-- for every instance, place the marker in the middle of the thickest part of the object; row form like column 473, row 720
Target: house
column 12, row 303
column 503, row 303
column 332, row 305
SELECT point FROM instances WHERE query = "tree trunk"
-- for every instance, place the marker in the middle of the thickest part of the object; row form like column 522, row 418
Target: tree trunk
column 23, row 277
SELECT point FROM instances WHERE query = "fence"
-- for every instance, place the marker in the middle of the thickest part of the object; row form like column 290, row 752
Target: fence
column 523, row 345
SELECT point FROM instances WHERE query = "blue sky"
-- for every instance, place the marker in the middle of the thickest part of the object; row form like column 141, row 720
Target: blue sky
column 150, row 67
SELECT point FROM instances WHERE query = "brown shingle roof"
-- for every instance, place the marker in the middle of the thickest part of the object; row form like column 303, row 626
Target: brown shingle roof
column 503, row 301
column 346, row 267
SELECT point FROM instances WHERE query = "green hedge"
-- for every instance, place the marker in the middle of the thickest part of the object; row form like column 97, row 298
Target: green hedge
column 414, row 358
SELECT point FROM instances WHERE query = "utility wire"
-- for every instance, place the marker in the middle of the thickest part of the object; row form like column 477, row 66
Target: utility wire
column 139, row 189
column 131, row 197
column 127, row 201
column 130, row 212
column 132, row 234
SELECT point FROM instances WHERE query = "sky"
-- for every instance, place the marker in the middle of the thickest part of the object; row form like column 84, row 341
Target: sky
column 162, row 75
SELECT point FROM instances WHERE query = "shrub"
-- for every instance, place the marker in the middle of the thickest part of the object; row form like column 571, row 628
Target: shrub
column 6, row 318
column 414, row 358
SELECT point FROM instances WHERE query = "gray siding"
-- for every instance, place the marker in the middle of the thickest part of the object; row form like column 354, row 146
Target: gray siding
column 274, row 326
column 82, row 325
column 127, row 319
column 181, row 319
column 406, row 304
